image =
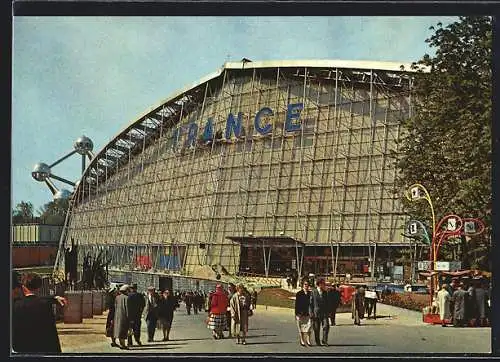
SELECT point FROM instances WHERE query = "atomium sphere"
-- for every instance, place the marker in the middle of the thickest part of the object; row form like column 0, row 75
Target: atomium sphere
column 83, row 144
column 41, row 172
column 62, row 194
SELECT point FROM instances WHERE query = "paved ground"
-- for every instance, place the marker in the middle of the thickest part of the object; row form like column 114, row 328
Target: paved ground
column 274, row 331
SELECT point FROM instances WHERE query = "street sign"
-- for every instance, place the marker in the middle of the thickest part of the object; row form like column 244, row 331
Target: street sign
column 452, row 224
column 413, row 228
column 442, row 266
column 294, row 264
column 424, row 265
column 398, row 270
column 455, row 265
column 470, row 227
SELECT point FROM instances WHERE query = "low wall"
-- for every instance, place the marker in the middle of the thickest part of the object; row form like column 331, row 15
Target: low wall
column 179, row 282
column 35, row 255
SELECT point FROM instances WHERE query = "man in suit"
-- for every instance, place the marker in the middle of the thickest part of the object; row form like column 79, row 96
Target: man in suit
column 358, row 305
column 33, row 321
column 151, row 312
column 136, row 304
column 459, row 308
column 333, row 302
column 319, row 310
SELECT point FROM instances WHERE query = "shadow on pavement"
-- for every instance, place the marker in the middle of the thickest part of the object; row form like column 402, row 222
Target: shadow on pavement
column 259, row 343
column 80, row 331
column 261, row 335
column 165, row 344
column 349, row 345
column 196, row 339
column 152, row 346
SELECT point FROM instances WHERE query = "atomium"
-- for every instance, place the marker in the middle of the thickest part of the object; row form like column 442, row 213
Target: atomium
column 43, row 172
column 62, row 194
column 83, row 145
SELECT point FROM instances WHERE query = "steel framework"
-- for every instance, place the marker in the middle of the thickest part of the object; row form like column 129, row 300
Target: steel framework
column 161, row 192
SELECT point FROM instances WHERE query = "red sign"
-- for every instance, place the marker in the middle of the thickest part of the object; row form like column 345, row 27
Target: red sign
column 144, row 262
column 346, row 293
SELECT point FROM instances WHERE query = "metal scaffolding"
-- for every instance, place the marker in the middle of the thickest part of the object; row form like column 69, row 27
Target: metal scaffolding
column 161, row 186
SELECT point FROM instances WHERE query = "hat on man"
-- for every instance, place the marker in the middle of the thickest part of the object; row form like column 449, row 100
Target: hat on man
column 151, row 288
column 124, row 288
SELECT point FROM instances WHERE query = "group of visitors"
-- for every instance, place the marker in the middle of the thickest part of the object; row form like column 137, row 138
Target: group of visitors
column 33, row 320
column 315, row 308
column 230, row 311
column 126, row 309
column 463, row 303
column 193, row 300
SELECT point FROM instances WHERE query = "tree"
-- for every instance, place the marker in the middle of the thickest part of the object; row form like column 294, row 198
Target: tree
column 23, row 213
column 447, row 141
column 54, row 212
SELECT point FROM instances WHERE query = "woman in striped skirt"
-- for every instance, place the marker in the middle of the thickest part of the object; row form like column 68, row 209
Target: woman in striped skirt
column 217, row 314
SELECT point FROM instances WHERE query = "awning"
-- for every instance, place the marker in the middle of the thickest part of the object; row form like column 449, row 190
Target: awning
column 458, row 273
column 269, row 242
column 266, row 241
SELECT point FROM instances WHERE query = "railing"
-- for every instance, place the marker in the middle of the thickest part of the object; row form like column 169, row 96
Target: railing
column 261, row 279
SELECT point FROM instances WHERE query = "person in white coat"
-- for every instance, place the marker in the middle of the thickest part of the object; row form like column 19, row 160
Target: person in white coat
column 240, row 311
column 443, row 302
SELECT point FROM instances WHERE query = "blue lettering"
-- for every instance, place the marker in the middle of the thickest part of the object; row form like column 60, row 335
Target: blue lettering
column 233, row 126
column 208, row 132
column 176, row 134
column 268, row 127
column 191, row 136
column 293, row 113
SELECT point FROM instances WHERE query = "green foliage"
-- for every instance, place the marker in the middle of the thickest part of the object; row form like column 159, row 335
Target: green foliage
column 54, row 212
column 410, row 301
column 447, row 142
column 23, row 213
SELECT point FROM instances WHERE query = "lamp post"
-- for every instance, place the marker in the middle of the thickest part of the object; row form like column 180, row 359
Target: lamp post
column 455, row 226
column 418, row 192
column 416, row 230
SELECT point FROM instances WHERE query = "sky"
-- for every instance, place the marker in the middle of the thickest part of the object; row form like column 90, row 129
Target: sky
column 92, row 76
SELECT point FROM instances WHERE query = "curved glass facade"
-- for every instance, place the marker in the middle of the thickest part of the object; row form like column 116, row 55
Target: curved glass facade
column 298, row 151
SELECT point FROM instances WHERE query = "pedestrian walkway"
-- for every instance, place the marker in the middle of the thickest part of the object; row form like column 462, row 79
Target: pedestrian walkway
column 273, row 330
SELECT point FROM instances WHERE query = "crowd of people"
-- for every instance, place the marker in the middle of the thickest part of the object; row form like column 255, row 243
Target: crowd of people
column 315, row 309
column 127, row 307
column 193, row 300
column 463, row 302
column 227, row 311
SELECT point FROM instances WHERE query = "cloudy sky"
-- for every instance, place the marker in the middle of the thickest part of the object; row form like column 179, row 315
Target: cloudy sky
column 94, row 75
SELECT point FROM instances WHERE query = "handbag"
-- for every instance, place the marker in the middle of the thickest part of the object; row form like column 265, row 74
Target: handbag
column 250, row 313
